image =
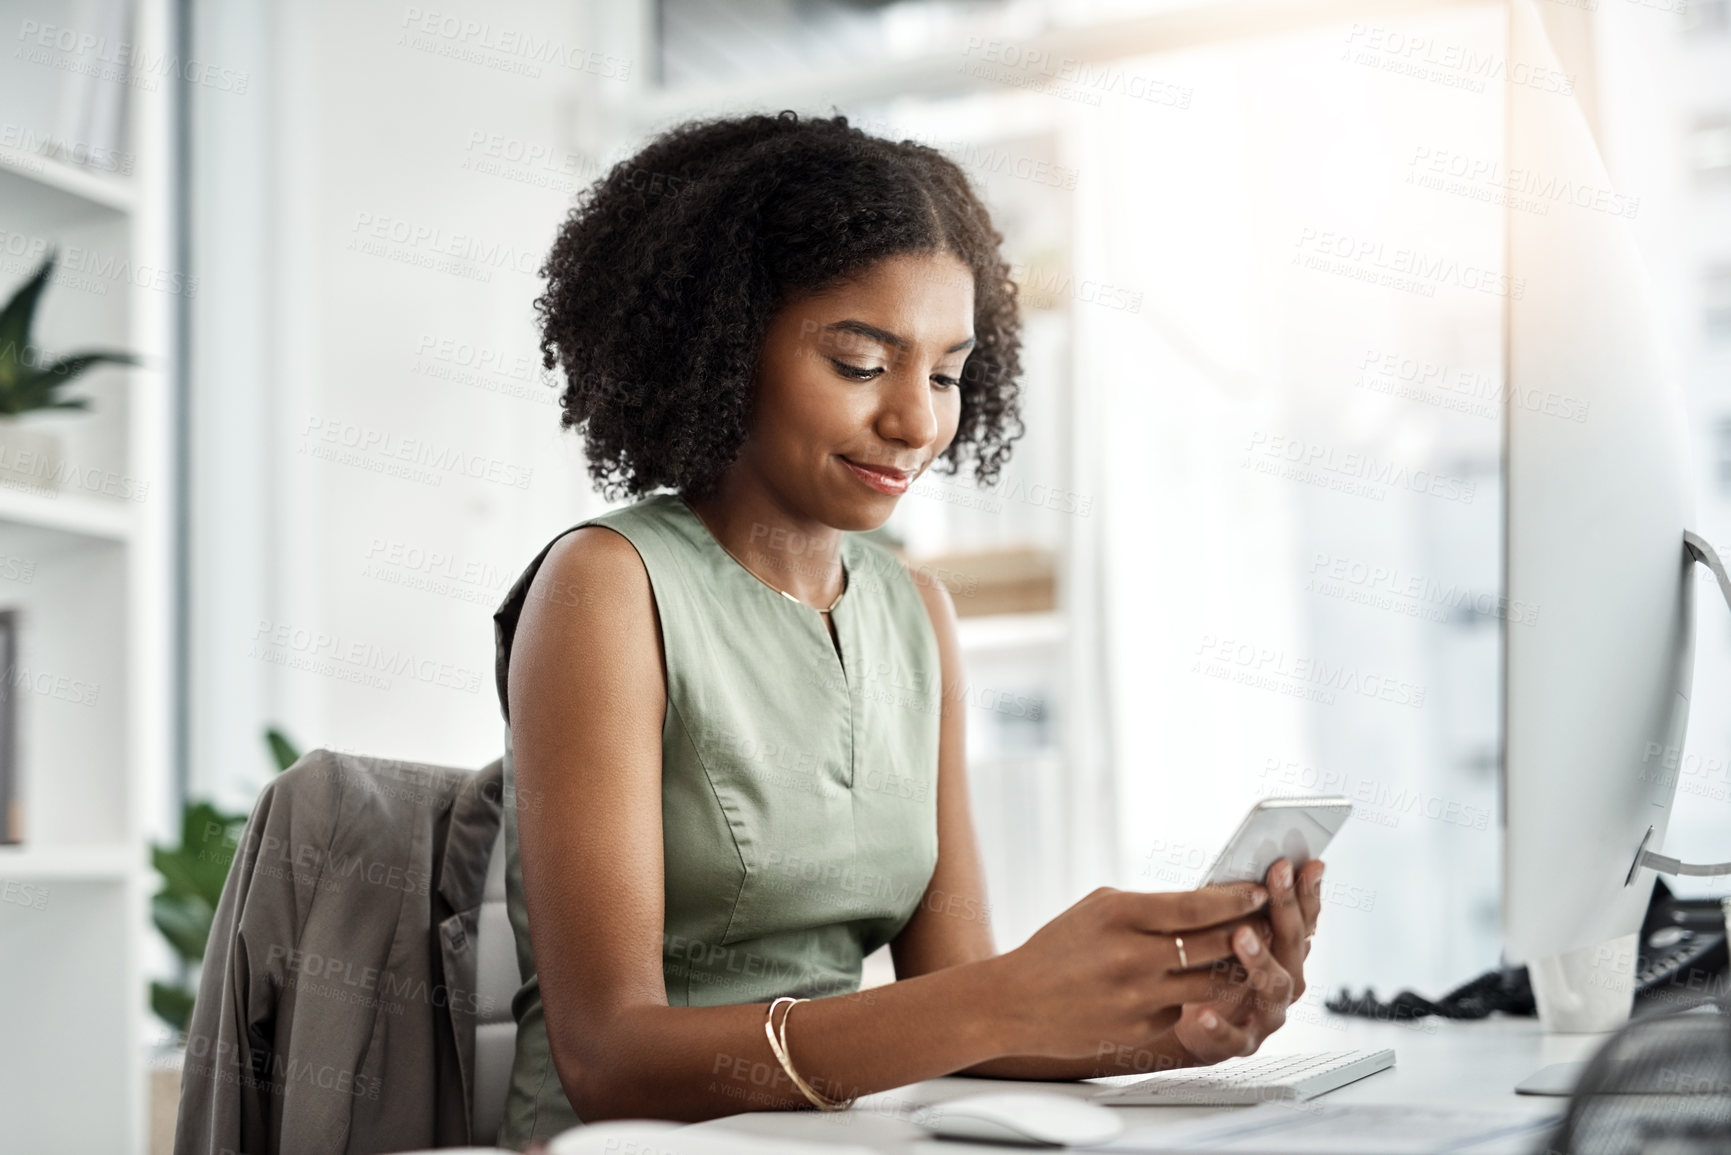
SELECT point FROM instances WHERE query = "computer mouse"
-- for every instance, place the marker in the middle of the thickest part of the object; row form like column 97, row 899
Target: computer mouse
column 1037, row 1119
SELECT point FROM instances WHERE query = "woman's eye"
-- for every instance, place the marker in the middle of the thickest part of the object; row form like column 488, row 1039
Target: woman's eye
column 854, row 372
column 945, row 382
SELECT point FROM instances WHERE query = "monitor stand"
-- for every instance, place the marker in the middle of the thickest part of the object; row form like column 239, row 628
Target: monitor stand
column 1586, row 991
column 1696, row 549
column 1592, row 989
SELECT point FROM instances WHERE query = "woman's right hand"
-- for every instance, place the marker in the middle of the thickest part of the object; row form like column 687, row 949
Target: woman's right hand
column 1103, row 973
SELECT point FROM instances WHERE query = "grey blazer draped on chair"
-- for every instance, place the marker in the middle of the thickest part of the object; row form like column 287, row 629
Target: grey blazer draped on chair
column 337, row 1005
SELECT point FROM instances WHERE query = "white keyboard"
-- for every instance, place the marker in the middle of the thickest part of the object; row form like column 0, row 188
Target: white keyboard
column 1254, row 1079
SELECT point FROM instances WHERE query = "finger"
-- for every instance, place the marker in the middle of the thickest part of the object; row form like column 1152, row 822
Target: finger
column 1201, row 948
column 1164, row 1020
column 1196, row 987
column 1270, row 983
column 1233, row 981
column 1264, row 932
column 1233, row 997
column 1224, row 1037
column 1237, row 1004
column 1164, row 913
column 1310, row 894
column 1284, row 916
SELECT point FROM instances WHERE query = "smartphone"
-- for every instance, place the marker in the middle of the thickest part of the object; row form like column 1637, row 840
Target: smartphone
column 1296, row 829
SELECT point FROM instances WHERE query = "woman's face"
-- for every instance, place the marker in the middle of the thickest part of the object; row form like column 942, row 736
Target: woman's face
column 859, row 389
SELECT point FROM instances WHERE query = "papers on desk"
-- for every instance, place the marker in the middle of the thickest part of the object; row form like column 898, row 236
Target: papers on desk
column 1345, row 1129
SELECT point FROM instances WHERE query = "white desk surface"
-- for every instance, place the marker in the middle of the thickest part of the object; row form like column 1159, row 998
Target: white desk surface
column 1460, row 1062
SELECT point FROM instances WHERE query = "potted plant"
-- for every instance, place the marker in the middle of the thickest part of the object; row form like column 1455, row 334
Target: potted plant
column 30, row 381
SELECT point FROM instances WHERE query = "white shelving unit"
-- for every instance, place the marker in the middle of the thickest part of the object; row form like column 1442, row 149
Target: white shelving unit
column 75, row 518
column 47, row 189
column 89, row 574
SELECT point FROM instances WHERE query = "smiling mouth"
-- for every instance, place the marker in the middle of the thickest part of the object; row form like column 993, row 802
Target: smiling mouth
column 881, row 478
column 884, row 470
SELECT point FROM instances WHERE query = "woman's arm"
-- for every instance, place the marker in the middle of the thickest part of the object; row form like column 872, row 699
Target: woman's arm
column 587, row 696
column 952, row 926
column 953, row 923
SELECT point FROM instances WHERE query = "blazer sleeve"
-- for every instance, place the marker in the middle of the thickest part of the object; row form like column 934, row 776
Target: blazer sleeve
column 228, row 1093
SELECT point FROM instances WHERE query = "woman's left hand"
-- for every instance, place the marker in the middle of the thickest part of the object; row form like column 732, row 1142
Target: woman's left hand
column 1269, row 976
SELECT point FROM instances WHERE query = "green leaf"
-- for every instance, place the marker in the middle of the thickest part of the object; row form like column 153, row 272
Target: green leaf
column 73, row 364
column 203, row 825
column 173, row 1005
column 199, row 866
column 179, row 876
column 184, row 921
column 212, row 841
column 24, row 386
column 281, row 749
column 20, row 311
column 32, row 390
column 36, row 388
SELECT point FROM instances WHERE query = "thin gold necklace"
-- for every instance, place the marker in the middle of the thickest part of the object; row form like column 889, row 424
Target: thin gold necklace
column 755, row 574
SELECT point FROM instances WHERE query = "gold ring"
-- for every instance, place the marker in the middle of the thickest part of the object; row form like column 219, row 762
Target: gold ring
column 1183, row 959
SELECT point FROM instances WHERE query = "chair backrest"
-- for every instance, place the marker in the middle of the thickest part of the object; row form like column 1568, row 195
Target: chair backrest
column 496, row 982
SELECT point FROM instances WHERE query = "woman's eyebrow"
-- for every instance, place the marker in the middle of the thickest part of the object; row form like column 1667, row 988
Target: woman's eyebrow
column 885, row 337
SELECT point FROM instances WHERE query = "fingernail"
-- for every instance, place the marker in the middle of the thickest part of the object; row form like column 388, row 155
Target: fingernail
column 1258, row 896
column 1209, row 1022
column 1247, row 942
column 1283, row 874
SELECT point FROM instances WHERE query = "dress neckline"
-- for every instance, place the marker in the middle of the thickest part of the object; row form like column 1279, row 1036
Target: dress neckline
column 846, row 570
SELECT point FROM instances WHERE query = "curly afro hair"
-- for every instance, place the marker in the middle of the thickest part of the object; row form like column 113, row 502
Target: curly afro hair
column 665, row 275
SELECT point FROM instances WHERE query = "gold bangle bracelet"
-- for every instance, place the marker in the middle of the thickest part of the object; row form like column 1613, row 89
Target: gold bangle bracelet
column 824, row 1101
column 779, row 1046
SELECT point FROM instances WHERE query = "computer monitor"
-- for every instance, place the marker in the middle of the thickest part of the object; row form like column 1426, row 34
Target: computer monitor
column 1596, row 675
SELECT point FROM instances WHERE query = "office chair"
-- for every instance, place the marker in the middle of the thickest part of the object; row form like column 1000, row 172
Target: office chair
column 496, row 981
column 1662, row 1082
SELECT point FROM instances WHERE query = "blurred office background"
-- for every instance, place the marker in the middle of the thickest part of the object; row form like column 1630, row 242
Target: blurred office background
column 1249, row 545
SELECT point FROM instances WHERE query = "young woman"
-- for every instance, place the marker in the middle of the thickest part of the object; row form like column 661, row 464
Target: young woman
column 734, row 733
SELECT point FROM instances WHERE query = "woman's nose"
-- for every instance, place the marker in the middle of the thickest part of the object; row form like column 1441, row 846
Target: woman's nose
column 907, row 415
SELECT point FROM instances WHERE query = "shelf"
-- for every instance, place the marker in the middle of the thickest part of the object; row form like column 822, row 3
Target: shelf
column 944, row 69
column 69, row 864
column 39, row 192
column 71, row 514
column 87, row 566
column 1011, row 631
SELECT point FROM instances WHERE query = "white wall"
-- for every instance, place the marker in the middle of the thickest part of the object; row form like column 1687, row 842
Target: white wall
column 369, row 216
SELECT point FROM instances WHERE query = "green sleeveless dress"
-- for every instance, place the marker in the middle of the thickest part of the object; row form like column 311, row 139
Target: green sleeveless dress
column 798, row 784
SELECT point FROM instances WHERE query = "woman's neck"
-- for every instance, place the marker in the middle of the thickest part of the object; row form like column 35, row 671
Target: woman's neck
column 794, row 554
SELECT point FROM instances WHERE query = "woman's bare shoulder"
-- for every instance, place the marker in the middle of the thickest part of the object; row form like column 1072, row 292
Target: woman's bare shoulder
column 595, row 561
column 589, row 608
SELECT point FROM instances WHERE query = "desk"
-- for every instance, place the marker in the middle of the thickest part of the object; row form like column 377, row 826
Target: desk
column 1464, row 1062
